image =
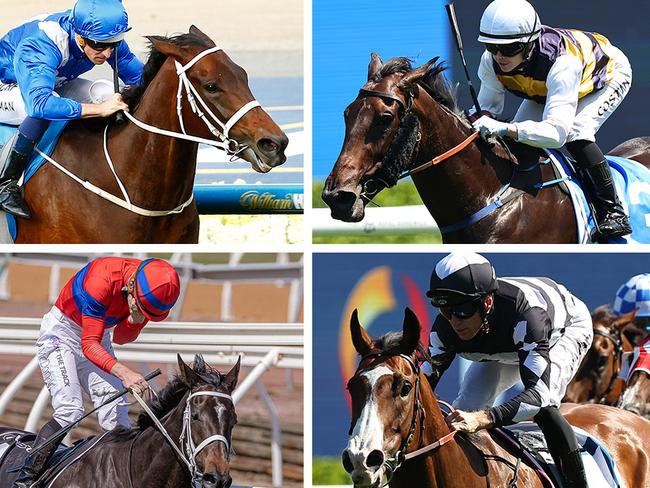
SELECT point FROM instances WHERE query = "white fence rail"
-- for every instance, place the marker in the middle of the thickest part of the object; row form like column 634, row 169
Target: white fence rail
column 377, row 221
column 260, row 345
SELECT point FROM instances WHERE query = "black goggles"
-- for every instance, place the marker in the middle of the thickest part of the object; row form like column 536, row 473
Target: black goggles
column 101, row 46
column 462, row 310
column 507, row 50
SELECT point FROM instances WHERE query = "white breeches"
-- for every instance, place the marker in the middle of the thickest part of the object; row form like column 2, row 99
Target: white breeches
column 66, row 371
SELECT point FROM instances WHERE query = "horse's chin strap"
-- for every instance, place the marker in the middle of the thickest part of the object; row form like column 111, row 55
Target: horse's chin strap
column 185, row 439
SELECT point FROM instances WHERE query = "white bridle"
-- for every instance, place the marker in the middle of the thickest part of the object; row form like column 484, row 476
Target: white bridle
column 223, row 142
column 185, row 439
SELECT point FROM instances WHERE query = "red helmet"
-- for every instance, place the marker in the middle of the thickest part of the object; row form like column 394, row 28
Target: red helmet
column 156, row 288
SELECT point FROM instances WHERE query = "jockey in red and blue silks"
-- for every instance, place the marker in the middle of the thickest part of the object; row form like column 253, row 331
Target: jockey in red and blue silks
column 74, row 346
column 40, row 65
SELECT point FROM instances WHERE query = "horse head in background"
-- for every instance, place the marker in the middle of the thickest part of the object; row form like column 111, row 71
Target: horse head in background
column 597, row 380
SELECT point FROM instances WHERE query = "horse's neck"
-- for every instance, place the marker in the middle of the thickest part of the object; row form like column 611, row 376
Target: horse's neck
column 470, row 175
column 447, row 461
column 161, row 459
column 161, row 159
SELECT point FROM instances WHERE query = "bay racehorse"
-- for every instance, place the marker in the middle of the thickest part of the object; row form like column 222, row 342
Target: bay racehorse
column 405, row 122
column 194, row 407
column 153, row 171
column 396, row 416
column 597, row 380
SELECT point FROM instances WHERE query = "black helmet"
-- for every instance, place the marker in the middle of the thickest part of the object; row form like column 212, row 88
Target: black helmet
column 461, row 276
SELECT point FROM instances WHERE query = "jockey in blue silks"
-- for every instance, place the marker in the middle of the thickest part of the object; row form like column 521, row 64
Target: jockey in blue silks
column 40, row 64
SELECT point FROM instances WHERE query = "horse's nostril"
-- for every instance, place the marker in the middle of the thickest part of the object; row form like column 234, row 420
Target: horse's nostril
column 347, row 463
column 268, row 146
column 375, row 459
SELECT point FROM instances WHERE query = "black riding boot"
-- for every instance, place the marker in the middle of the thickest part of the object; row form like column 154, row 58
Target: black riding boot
column 35, row 462
column 600, row 190
column 612, row 221
column 562, row 444
column 11, row 196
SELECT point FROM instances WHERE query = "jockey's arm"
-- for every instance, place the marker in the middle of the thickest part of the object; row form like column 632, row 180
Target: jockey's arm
column 563, row 85
column 35, row 65
column 126, row 332
column 531, row 339
column 92, row 331
column 491, row 95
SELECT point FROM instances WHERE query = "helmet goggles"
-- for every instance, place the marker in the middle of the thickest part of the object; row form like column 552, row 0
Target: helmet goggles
column 461, row 310
column 101, row 46
column 508, row 50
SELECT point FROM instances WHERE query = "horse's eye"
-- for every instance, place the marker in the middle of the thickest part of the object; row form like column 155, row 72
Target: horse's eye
column 406, row 388
column 386, row 118
column 195, row 416
column 211, row 87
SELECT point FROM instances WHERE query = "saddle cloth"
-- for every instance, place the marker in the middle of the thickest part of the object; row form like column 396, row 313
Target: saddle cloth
column 46, row 145
column 632, row 181
column 16, row 445
column 600, row 467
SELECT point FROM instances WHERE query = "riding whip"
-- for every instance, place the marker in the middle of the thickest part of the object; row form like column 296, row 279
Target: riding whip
column 451, row 13
column 119, row 117
column 111, row 399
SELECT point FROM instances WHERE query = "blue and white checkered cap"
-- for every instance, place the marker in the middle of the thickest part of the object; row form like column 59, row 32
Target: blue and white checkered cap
column 634, row 294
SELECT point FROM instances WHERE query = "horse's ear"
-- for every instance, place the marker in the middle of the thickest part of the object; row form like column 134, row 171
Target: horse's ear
column 199, row 364
column 411, row 331
column 375, row 65
column 416, row 75
column 360, row 339
column 198, row 32
column 230, row 380
column 624, row 320
column 167, row 48
column 188, row 375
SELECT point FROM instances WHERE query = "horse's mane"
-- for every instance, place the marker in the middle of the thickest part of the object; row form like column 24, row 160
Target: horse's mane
column 434, row 81
column 133, row 94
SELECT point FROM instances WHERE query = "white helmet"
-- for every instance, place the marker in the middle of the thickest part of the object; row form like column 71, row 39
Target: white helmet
column 509, row 21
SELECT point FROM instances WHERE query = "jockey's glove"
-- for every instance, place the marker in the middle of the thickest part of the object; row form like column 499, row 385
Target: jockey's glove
column 489, row 127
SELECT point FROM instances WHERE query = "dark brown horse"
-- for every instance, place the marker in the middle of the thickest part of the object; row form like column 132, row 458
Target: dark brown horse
column 596, row 380
column 402, row 119
column 395, row 413
column 141, row 457
column 157, row 170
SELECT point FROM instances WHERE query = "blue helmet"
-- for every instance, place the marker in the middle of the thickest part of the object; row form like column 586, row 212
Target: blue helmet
column 633, row 295
column 100, row 20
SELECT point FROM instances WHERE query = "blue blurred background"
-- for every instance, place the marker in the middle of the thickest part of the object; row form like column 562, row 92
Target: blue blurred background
column 592, row 277
column 345, row 32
